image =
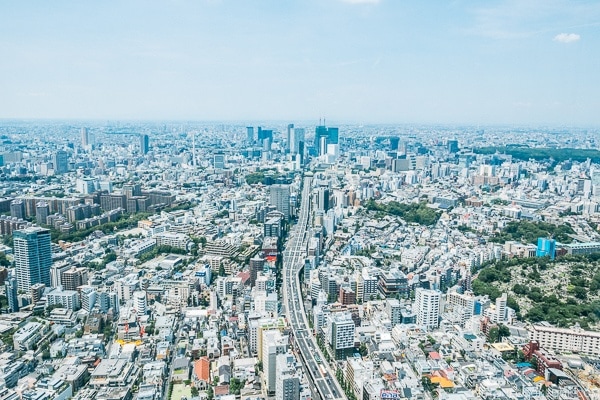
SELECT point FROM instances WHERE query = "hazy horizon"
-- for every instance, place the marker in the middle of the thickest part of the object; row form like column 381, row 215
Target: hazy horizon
column 371, row 62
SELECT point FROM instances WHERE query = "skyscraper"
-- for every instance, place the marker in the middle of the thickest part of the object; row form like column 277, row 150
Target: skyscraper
column 60, row 161
column 144, row 144
column 85, row 138
column 297, row 137
column 427, row 307
column 323, row 199
column 288, row 138
column 279, row 196
column 33, row 256
column 250, row 134
column 325, row 136
column 273, row 343
column 11, row 294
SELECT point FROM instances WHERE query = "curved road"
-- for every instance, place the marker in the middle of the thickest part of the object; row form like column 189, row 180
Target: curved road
column 293, row 260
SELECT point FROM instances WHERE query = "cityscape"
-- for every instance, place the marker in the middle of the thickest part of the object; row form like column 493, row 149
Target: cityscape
column 296, row 261
column 300, row 200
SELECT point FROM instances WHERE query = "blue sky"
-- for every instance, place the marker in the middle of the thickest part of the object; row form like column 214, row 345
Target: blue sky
column 364, row 61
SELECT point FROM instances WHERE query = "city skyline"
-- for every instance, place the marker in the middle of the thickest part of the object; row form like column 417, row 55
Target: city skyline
column 360, row 61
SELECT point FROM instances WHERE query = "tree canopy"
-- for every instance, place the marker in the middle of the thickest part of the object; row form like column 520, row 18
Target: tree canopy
column 418, row 213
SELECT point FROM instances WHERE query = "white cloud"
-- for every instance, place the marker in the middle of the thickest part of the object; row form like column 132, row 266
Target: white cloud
column 361, row 1
column 566, row 37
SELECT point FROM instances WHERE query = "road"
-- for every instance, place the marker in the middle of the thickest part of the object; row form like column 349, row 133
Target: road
column 319, row 372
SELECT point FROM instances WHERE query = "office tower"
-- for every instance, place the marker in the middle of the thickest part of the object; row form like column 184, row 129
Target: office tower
column 393, row 310
column 33, row 256
column 288, row 138
column 325, row 136
column 427, row 307
column 288, row 379
column 301, row 151
column 296, row 137
column 144, row 144
column 279, row 196
column 250, row 134
column 546, row 248
column 17, row 209
column 42, row 210
column 394, row 142
column 194, row 149
column 219, row 161
column 341, row 330
column 453, row 146
column 60, row 161
column 323, row 199
column 85, row 138
column 11, row 289
column 273, row 344
column 333, row 136
column 257, row 264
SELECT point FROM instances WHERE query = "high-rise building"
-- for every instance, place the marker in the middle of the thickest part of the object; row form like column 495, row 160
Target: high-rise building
column 325, row 136
column 279, row 196
column 393, row 310
column 288, row 379
column 288, row 138
column 11, row 289
column 144, row 144
column 296, row 137
column 257, row 264
column 42, row 210
column 85, row 138
column 132, row 190
column 250, row 134
column 323, row 199
column 60, row 161
column 17, row 209
column 73, row 278
column 427, row 307
column 501, row 315
column 219, row 161
column 453, row 146
column 341, row 330
column 273, row 344
column 33, row 256
column 139, row 302
column 546, row 248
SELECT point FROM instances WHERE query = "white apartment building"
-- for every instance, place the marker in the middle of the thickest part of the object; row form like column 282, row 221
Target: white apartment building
column 566, row 339
column 427, row 307
column 341, row 330
column 273, row 344
column 66, row 298
column 288, row 378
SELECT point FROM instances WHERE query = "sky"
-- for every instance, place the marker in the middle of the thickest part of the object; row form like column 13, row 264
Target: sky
column 350, row 61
